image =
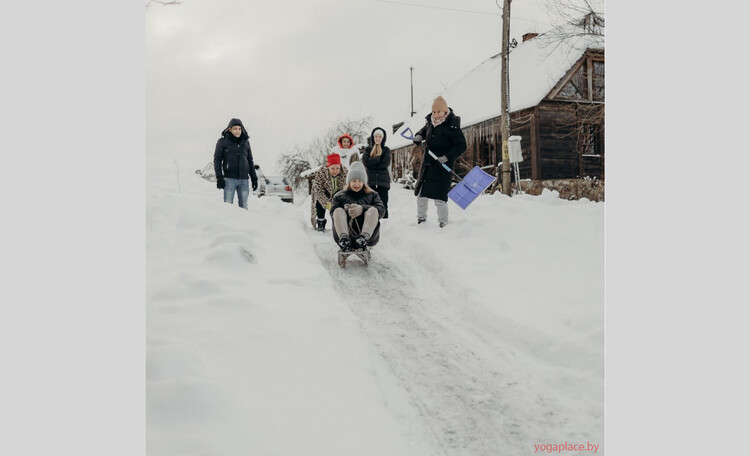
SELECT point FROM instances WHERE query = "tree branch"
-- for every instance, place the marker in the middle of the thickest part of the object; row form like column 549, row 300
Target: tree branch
column 162, row 2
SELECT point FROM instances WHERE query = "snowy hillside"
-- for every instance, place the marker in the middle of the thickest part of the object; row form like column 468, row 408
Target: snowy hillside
column 482, row 338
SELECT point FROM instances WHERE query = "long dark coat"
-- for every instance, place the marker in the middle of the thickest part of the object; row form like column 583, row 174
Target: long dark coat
column 233, row 157
column 364, row 199
column 446, row 139
column 377, row 167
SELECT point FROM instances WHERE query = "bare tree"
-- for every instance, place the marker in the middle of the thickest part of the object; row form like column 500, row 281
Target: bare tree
column 573, row 18
column 580, row 23
column 313, row 155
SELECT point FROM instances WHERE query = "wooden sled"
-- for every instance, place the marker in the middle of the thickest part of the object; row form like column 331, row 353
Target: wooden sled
column 363, row 254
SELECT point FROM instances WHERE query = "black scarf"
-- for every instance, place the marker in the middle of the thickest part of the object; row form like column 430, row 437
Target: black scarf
column 356, row 195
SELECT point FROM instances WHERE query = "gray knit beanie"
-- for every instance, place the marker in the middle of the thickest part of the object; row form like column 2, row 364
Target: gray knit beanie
column 356, row 171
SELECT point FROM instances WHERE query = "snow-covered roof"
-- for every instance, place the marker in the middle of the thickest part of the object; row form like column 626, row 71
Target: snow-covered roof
column 534, row 70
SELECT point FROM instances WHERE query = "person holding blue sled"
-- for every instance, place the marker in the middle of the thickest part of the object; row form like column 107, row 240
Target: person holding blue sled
column 443, row 137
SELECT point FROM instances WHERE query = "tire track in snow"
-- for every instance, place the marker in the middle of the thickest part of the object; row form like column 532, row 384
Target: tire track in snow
column 465, row 391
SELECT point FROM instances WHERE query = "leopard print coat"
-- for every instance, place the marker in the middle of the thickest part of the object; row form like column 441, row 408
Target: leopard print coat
column 322, row 188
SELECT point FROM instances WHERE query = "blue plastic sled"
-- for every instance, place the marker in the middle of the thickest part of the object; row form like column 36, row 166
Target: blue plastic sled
column 474, row 183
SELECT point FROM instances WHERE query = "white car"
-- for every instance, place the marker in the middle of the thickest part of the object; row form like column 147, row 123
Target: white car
column 207, row 172
column 279, row 186
column 261, row 181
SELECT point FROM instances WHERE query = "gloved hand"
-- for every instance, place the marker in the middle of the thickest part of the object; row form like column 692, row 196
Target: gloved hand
column 355, row 210
column 442, row 159
column 255, row 185
column 219, row 182
column 328, row 207
column 418, row 139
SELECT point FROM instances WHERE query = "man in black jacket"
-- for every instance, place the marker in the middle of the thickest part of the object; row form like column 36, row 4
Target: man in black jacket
column 233, row 163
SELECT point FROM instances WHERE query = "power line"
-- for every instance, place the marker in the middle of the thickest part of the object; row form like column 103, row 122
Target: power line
column 438, row 7
column 463, row 11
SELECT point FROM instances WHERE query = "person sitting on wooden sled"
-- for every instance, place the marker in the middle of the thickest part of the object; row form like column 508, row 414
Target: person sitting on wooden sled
column 356, row 212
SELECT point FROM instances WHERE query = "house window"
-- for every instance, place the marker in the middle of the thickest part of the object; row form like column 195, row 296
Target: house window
column 597, row 81
column 578, row 88
column 590, row 141
column 485, row 151
column 575, row 89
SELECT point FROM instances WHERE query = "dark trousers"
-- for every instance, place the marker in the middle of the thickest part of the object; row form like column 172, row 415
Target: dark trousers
column 320, row 211
column 383, row 194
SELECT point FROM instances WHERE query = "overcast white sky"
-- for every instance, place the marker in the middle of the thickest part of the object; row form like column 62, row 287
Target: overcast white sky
column 290, row 69
column 72, row 131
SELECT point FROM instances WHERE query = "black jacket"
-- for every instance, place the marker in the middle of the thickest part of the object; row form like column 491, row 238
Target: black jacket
column 446, row 139
column 233, row 157
column 377, row 167
column 364, row 199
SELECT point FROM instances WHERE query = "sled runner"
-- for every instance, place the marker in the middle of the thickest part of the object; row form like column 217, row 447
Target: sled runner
column 363, row 254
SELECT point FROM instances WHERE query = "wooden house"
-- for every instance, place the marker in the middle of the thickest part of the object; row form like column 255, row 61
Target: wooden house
column 556, row 104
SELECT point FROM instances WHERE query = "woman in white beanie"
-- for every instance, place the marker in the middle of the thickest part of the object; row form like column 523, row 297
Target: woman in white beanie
column 356, row 212
column 377, row 161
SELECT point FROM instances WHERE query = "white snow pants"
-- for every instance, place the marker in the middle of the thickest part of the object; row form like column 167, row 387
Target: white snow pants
column 341, row 221
column 442, row 209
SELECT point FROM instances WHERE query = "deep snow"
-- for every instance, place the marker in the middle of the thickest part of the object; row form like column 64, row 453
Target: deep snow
column 482, row 338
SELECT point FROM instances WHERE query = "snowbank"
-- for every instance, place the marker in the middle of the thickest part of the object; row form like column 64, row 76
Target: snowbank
column 486, row 334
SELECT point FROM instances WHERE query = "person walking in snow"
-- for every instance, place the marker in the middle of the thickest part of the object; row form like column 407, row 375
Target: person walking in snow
column 377, row 161
column 345, row 149
column 326, row 182
column 443, row 136
column 233, row 163
column 356, row 212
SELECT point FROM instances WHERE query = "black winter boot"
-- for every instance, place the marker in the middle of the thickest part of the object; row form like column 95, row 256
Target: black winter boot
column 322, row 224
column 362, row 241
column 344, row 242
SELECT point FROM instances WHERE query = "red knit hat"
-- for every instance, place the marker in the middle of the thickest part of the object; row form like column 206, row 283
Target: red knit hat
column 333, row 159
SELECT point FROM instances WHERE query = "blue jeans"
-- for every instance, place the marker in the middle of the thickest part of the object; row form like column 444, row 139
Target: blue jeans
column 241, row 186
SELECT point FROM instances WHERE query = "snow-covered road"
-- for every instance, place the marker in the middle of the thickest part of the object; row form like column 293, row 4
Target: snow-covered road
column 472, row 386
column 482, row 338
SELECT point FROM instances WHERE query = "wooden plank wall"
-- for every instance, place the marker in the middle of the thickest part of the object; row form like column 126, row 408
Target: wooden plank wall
column 560, row 151
column 405, row 159
column 558, row 136
column 521, row 123
column 551, row 128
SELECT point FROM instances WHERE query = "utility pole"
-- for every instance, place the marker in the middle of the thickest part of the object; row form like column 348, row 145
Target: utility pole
column 411, row 76
column 505, row 95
